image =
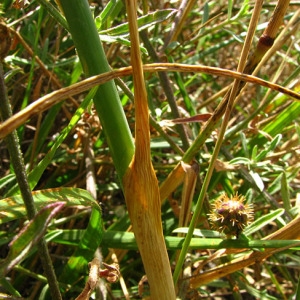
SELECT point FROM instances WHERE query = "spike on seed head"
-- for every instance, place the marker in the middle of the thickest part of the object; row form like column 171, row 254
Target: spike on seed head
column 230, row 214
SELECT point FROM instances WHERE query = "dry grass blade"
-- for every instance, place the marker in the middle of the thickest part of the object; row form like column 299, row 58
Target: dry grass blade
column 190, row 179
column 53, row 98
column 92, row 281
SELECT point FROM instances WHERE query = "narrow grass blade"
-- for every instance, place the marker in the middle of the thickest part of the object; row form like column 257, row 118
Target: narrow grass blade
column 263, row 221
column 35, row 175
column 126, row 240
column 143, row 22
column 284, row 119
column 29, row 236
column 12, row 208
column 285, row 192
column 85, row 250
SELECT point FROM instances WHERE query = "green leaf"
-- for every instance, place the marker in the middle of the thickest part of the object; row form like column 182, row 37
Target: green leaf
column 263, row 221
column 29, row 236
column 243, row 11
column 298, row 131
column 126, row 240
column 7, row 286
column 240, row 160
column 106, row 12
column 285, row 192
column 297, row 295
column 283, row 119
column 120, row 39
column 254, row 152
column 205, row 17
column 13, row 207
column 229, row 9
column 6, row 180
column 235, row 36
column 143, row 22
column 90, row 241
column 70, row 237
column 270, row 147
column 187, row 99
column 257, row 179
column 275, row 186
column 244, row 144
column 109, row 14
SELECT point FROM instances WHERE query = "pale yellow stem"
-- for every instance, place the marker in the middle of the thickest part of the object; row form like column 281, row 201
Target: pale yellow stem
column 141, row 186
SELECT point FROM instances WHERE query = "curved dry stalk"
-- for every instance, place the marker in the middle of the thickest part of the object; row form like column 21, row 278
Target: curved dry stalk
column 55, row 97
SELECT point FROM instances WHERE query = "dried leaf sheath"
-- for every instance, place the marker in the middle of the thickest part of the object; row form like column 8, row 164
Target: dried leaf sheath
column 140, row 184
column 268, row 37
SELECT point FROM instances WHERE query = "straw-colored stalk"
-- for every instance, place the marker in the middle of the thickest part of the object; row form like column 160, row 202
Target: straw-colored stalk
column 267, row 39
column 140, row 184
column 47, row 101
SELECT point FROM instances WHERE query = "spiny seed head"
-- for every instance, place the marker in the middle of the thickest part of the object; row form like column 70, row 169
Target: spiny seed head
column 230, row 215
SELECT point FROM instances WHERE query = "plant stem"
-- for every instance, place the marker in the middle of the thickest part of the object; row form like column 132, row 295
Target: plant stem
column 181, row 16
column 226, row 106
column 17, row 161
column 94, row 62
column 126, row 240
column 166, row 85
column 140, row 184
column 55, row 97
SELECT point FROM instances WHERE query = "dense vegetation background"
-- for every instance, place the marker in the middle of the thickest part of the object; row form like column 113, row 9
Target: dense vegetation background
column 66, row 152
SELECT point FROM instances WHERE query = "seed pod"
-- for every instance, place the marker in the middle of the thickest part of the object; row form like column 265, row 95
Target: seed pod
column 230, row 215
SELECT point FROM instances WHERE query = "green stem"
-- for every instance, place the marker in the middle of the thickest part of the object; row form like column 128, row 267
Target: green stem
column 227, row 105
column 106, row 100
column 126, row 240
column 17, row 161
column 13, row 146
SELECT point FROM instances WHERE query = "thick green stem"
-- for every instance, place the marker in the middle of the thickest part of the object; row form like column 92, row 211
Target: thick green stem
column 106, row 100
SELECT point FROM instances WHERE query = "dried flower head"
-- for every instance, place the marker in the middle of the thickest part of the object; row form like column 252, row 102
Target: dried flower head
column 230, row 215
column 111, row 272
